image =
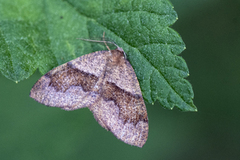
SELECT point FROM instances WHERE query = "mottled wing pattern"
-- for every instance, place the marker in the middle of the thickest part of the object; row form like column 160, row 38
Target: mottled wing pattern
column 69, row 86
column 105, row 82
column 121, row 108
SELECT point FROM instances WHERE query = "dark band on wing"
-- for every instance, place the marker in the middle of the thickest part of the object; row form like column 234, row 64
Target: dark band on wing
column 131, row 107
column 63, row 79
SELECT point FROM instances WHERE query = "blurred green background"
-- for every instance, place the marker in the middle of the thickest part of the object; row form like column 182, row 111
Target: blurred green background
column 211, row 31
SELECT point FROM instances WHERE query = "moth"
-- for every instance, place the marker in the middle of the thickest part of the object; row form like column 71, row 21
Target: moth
column 105, row 82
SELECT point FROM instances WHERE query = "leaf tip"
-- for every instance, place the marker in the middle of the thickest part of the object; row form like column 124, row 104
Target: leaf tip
column 194, row 109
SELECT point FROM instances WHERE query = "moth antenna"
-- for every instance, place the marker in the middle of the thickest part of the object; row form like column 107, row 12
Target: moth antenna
column 90, row 40
column 105, row 42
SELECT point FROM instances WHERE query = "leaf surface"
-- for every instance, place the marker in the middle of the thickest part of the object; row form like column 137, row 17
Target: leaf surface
column 42, row 34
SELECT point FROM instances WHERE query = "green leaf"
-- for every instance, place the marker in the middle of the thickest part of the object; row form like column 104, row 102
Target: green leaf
column 42, row 34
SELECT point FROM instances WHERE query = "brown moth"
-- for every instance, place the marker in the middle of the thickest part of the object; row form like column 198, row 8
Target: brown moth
column 105, row 82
